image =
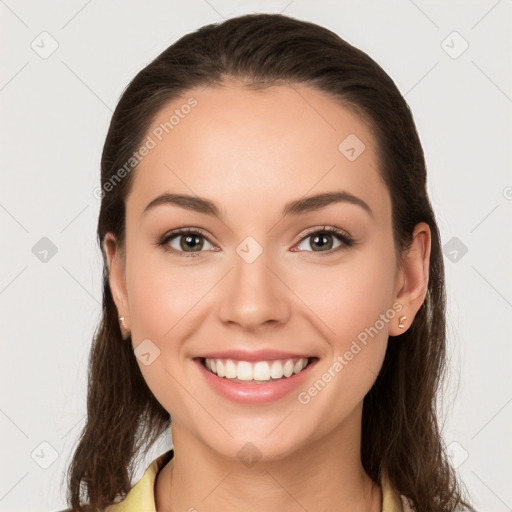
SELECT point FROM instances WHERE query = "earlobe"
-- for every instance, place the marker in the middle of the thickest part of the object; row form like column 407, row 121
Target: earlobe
column 414, row 276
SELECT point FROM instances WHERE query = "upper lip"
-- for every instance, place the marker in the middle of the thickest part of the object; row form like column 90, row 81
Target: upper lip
column 253, row 355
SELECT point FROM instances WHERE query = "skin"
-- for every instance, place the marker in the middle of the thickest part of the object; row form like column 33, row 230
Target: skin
column 254, row 151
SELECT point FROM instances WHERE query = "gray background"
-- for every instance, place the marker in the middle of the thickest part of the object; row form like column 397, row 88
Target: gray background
column 55, row 110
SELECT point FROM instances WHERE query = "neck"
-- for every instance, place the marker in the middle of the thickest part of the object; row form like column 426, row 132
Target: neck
column 326, row 474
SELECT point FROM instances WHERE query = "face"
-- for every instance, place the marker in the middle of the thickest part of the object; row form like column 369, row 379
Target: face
column 273, row 277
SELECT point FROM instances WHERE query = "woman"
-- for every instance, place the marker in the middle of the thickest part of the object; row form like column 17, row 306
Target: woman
column 273, row 282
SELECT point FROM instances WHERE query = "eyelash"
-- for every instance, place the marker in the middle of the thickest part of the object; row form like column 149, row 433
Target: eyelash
column 345, row 238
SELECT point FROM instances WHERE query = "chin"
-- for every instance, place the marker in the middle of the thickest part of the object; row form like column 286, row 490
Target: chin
column 257, row 441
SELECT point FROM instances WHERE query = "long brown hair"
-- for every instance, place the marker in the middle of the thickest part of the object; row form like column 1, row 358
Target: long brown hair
column 401, row 436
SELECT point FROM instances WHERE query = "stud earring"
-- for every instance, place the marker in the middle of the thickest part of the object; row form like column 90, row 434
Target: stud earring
column 401, row 321
column 126, row 333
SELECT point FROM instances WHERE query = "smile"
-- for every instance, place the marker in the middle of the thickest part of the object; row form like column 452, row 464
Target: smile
column 260, row 371
column 257, row 381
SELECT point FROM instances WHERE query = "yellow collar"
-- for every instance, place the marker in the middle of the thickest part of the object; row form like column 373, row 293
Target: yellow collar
column 142, row 494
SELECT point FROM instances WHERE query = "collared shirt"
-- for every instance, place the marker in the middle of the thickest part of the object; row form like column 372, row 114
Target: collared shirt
column 141, row 497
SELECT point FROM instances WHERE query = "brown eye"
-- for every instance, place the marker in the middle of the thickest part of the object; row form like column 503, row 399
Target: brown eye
column 325, row 240
column 185, row 242
column 194, row 243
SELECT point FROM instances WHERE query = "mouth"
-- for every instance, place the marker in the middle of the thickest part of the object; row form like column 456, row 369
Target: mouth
column 255, row 382
column 257, row 372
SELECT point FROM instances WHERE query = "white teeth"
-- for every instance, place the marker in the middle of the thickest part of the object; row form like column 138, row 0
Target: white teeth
column 244, row 370
column 259, row 371
column 288, row 368
column 220, row 368
column 230, row 369
column 298, row 367
column 276, row 370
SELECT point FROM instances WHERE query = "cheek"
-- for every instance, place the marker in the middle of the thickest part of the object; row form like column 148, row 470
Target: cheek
column 162, row 293
column 350, row 316
column 350, row 304
column 162, row 302
column 349, row 297
column 165, row 301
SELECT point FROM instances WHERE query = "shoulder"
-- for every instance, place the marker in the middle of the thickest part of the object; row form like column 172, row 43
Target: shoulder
column 141, row 495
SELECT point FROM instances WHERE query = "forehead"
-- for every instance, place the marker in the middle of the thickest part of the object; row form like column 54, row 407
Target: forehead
column 241, row 146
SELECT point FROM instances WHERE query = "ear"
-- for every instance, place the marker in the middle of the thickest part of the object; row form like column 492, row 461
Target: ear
column 116, row 275
column 412, row 281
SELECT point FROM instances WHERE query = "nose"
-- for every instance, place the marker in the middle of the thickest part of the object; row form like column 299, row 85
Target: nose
column 254, row 294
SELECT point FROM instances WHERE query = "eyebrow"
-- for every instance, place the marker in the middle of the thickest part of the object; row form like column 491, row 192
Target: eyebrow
column 293, row 208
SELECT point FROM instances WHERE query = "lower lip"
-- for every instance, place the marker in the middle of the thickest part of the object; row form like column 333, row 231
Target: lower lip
column 253, row 392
